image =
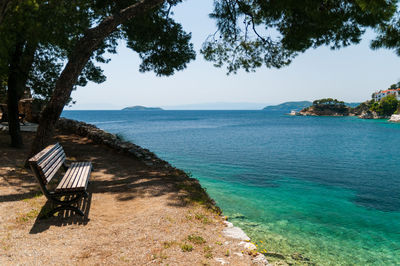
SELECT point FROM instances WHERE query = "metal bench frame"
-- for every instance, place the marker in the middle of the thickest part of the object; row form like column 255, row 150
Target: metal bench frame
column 70, row 196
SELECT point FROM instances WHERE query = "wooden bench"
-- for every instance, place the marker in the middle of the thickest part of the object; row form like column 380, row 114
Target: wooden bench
column 73, row 185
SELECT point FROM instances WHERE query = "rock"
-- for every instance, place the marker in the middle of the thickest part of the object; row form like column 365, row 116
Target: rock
column 366, row 115
column 234, row 232
column 248, row 245
column 260, row 260
column 298, row 256
column 370, row 115
column 221, row 260
column 395, row 118
column 228, row 224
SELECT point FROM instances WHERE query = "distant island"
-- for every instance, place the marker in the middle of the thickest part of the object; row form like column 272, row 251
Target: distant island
column 288, row 106
column 141, row 108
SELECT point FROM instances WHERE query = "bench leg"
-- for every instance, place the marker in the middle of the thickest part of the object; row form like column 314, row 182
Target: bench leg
column 61, row 208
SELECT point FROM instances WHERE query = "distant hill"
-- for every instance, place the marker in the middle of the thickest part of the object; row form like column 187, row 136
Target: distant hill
column 141, row 108
column 288, row 106
column 352, row 105
column 217, row 106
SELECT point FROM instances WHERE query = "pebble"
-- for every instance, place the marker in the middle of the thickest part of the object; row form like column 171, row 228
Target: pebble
column 221, row 260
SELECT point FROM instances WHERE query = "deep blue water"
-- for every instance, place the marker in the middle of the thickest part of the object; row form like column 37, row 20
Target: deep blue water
column 325, row 187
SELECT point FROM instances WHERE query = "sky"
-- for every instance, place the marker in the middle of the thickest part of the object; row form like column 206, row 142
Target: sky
column 351, row 74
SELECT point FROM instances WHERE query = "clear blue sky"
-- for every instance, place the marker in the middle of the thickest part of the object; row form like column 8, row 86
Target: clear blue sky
column 350, row 74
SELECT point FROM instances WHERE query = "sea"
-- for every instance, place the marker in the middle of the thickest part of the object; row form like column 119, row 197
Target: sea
column 315, row 190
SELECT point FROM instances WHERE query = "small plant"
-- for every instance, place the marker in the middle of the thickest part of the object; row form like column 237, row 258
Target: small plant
column 208, row 255
column 203, row 218
column 168, row 244
column 28, row 216
column 196, row 239
column 219, row 243
column 227, row 253
column 186, row 247
column 208, row 252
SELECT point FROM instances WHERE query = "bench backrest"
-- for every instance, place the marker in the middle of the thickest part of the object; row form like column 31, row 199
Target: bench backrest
column 46, row 163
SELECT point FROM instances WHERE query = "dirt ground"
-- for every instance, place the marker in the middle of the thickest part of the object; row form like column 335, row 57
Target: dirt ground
column 134, row 215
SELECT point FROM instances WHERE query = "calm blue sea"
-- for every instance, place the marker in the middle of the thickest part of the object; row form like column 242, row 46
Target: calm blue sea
column 325, row 187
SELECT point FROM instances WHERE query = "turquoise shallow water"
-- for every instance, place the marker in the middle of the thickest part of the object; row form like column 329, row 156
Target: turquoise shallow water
column 325, row 187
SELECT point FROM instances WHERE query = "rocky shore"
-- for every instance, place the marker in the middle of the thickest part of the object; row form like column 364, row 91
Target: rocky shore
column 150, row 159
column 111, row 140
column 326, row 110
column 362, row 111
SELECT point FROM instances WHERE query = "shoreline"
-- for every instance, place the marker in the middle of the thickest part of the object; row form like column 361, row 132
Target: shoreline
column 150, row 159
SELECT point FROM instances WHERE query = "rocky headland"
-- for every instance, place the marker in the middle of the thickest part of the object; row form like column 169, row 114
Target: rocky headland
column 326, row 110
column 337, row 108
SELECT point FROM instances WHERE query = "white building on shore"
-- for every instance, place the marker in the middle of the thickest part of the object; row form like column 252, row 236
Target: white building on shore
column 379, row 95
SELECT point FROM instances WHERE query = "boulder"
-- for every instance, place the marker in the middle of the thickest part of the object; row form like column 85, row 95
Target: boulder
column 395, row 118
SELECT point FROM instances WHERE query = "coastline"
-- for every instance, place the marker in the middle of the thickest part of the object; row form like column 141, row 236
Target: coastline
column 150, row 159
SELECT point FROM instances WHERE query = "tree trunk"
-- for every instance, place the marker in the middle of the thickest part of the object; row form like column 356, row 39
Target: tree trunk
column 4, row 4
column 19, row 67
column 76, row 62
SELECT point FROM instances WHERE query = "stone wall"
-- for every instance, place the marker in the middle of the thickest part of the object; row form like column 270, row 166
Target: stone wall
column 113, row 141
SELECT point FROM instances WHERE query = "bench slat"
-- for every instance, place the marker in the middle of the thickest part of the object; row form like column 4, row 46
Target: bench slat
column 64, row 180
column 77, row 178
column 45, row 159
column 70, row 179
column 53, row 163
column 54, row 169
column 86, row 174
column 48, row 161
column 38, row 158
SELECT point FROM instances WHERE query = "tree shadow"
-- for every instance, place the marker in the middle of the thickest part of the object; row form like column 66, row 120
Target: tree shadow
column 62, row 218
column 128, row 178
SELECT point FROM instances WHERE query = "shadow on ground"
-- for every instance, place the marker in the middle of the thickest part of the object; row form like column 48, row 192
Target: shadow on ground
column 62, row 218
column 113, row 173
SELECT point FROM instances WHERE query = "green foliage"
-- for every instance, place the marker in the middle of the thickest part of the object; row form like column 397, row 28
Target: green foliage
column 55, row 27
column 252, row 33
column 196, row 239
column 328, row 101
column 394, row 86
column 388, row 35
column 387, row 106
column 161, row 43
column 186, row 247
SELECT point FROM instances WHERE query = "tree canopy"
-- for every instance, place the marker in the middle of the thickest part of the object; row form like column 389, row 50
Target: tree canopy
column 387, row 106
column 59, row 44
column 252, row 33
column 328, row 101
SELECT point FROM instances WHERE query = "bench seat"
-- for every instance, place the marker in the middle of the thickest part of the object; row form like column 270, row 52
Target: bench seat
column 76, row 178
